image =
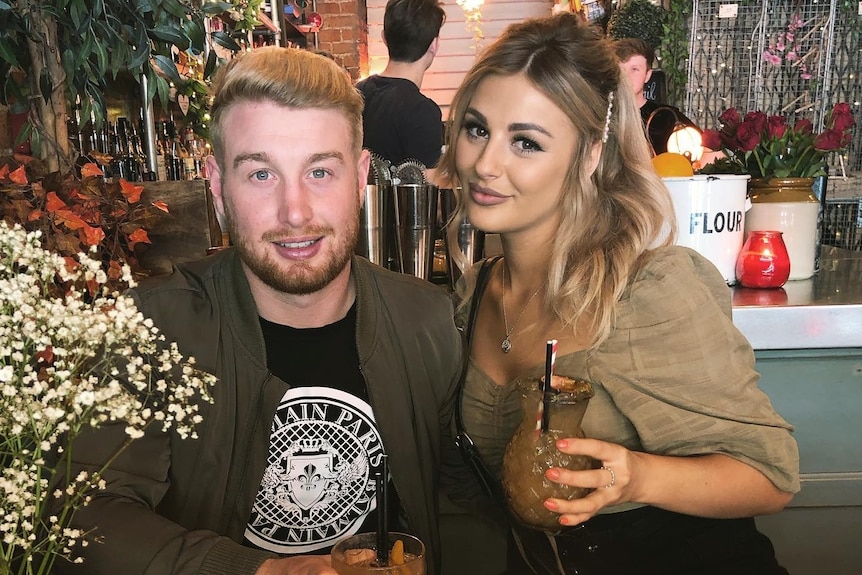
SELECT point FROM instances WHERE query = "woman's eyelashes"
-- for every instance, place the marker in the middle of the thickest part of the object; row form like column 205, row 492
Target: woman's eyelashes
column 475, row 130
column 526, row 145
column 523, row 144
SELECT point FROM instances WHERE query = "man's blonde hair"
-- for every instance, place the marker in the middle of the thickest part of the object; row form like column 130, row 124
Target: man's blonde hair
column 288, row 77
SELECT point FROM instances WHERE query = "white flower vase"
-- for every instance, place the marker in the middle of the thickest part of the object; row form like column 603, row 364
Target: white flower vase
column 710, row 211
column 789, row 206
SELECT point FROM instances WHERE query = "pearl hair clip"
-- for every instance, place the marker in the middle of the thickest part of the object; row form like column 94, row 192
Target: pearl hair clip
column 608, row 118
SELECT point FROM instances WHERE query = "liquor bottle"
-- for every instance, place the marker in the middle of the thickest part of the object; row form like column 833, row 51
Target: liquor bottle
column 88, row 149
column 117, row 166
column 123, row 164
column 179, row 154
column 103, row 147
column 131, row 155
column 160, row 152
column 194, row 148
column 136, row 150
column 173, row 160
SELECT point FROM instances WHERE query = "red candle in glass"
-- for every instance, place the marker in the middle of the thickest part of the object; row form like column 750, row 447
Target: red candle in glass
column 763, row 261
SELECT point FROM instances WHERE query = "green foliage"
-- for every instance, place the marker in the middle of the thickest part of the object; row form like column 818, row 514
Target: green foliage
column 98, row 39
column 674, row 48
column 638, row 19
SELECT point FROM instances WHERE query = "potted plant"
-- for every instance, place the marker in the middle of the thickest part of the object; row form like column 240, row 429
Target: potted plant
column 768, row 147
column 638, row 19
column 57, row 54
column 72, row 215
column 783, row 161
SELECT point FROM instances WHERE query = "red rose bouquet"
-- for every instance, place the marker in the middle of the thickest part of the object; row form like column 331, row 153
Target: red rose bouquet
column 767, row 147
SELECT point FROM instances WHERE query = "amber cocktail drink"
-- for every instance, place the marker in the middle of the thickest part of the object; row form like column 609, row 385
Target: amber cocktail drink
column 357, row 555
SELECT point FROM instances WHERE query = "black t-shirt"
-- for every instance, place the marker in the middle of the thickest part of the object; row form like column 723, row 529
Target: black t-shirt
column 319, row 485
column 399, row 122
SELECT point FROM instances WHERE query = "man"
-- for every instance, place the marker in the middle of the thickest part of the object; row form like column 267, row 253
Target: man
column 325, row 362
column 636, row 61
column 399, row 122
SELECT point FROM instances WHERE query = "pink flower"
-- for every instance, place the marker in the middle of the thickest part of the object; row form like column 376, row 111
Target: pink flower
column 791, row 56
column 771, row 57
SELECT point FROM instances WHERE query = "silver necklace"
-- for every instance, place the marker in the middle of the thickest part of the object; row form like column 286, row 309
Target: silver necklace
column 506, row 346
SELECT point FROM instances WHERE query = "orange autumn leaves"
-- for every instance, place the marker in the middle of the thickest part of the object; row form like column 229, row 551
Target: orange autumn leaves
column 80, row 215
column 18, row 176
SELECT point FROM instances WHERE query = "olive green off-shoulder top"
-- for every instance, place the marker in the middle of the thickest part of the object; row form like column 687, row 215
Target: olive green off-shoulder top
column 675, row 377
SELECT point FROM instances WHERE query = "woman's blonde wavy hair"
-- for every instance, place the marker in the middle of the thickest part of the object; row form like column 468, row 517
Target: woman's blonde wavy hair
column 612, row 217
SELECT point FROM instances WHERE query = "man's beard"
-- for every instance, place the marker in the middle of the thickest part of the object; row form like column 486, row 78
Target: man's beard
column 301, row 278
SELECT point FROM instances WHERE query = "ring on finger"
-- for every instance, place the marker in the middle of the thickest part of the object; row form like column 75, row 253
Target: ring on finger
column 613, row 477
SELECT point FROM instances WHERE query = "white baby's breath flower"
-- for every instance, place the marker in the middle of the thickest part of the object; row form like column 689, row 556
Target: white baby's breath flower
column 68, row 362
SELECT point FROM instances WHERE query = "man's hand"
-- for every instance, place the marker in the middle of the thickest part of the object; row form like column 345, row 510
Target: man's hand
column 299, row 565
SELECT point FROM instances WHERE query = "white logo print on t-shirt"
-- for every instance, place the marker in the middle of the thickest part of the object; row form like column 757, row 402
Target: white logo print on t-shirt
column 318, row 486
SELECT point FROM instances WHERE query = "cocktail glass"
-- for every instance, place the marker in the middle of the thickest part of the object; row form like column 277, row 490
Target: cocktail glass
column 357, row 555
column 530, row 453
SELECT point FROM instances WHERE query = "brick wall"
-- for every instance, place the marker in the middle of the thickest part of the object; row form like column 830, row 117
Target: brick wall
column 345, row 33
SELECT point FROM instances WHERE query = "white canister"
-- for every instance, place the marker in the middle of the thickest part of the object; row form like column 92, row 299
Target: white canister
column 710, row 215
column 798, row 223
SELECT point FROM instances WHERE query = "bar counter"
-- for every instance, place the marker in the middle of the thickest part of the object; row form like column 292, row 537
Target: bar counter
column 821, row 312
column 807, row 340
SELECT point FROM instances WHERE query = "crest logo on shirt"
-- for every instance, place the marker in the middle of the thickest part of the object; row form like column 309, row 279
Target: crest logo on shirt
column 317, row 487
column 309, row 470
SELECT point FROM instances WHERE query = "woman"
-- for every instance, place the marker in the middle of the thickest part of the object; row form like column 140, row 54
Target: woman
column 548, row 148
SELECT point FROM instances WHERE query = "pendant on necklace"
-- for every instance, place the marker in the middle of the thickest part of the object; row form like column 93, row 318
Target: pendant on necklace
column 506, row 346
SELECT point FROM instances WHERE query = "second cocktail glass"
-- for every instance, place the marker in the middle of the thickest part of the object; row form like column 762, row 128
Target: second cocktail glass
column 357, row 555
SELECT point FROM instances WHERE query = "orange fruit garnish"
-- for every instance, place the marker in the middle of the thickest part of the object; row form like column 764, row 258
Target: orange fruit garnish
column 669, row 165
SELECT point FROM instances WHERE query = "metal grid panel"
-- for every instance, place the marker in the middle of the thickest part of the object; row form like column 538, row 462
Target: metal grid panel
column 841, row 224
column 787, row 57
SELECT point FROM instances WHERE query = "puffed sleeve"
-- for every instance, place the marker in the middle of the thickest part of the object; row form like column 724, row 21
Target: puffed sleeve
column 678, row 369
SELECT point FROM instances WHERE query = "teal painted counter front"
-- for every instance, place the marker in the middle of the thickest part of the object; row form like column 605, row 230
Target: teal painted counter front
column 808, row 344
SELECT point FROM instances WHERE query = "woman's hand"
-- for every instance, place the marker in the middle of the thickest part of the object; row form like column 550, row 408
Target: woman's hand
column 613, row 484
column 711, row 485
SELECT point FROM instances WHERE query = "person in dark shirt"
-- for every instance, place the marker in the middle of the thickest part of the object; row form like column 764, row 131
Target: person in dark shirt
column 399, row 122
column 636, row 61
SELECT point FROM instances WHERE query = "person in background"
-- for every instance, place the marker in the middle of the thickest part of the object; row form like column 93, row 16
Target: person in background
column 325, row 362
column 636, row 61
column 399, row 122
column 548, row 147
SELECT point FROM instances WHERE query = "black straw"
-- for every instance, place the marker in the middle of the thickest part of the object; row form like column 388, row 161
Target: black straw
column 381, row 479
column 547, row 390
